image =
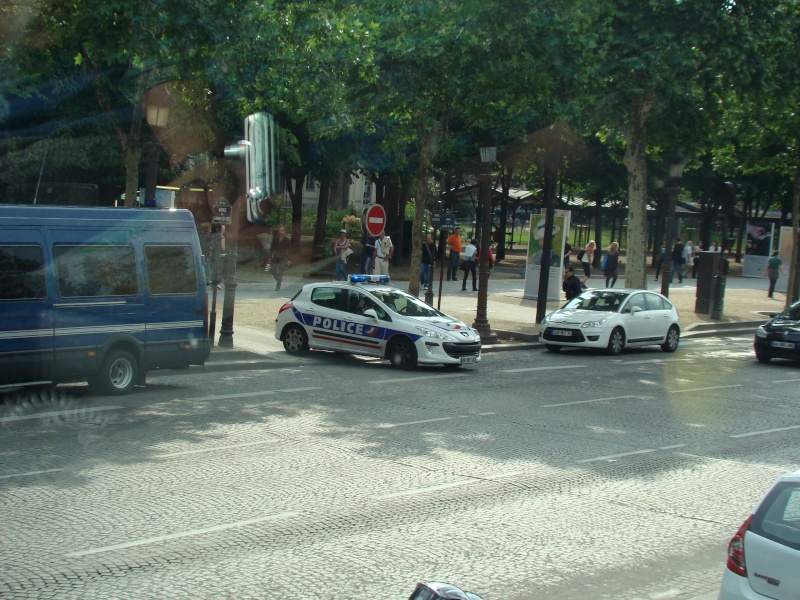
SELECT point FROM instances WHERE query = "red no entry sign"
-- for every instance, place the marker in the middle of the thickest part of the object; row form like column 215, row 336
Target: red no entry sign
column 374, row 219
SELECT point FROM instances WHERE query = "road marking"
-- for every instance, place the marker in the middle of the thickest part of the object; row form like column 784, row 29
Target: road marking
column 784, row 381
column 541, row 369
column 58, row 413
column 652, row 361
column 182, row 534
column 751, row 433
column 610, row 456
column 589, row 401
column 214, row 449
column 30, row 473
column 419, row 378
column 252, row 394
column 703, row 389
column 444, row 486
column 390, row 425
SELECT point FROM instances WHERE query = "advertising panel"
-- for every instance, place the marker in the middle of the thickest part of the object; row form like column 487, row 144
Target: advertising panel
column 533, row 264
column 758, row 249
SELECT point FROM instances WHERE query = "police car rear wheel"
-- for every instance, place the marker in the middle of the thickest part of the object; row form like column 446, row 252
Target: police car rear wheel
column 295, row 340
column 403, row 354
column 118, row 374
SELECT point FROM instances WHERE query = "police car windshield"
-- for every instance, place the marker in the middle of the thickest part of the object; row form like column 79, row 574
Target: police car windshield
column 405, row 304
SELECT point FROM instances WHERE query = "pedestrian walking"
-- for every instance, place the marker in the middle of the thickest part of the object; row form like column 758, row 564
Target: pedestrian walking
column 611, row 264
column 567, row 253
column 384, row 250
column 340, row 248
column 265, row 239
column 571, row 285
column 660, row 258
column 688, row 255
column 677, row 261
column 454, row 245
column 470, row 260
column 427, row 262
column 772, row 271
column 281, row 247
column 367, row 253
column 587, row 258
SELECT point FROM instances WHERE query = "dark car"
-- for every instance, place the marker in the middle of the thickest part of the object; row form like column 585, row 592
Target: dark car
column 780, row 336
column 437, row 590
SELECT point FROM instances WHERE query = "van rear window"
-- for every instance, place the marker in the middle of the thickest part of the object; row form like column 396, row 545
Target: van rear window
column 95, row 270
column 170, row 269
column 21, row 273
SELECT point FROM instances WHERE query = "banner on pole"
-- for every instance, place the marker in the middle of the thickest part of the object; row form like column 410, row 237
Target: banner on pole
column 533, row 264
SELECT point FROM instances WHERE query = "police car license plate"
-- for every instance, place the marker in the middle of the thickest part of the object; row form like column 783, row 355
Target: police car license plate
column 787, row 345
column 468, row 359
column 562, row 332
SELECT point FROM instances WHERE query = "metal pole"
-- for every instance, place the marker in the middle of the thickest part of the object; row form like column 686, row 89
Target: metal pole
column 668, row 237
column 429, row 291
column 481, row 320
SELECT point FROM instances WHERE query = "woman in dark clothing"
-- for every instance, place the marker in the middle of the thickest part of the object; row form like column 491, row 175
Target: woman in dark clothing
column 611, row 264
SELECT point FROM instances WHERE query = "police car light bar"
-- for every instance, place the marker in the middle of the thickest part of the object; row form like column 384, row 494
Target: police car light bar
column 369, row 279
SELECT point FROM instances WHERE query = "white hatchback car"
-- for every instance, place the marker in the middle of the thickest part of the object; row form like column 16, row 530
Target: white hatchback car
column 764, row 555
column 368, row 316
column 613, row 319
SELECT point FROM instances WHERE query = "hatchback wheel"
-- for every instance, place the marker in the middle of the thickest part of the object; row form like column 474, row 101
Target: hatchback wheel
column 402, row 353
column 763, row 358
column 673, row 338
column 295, row 340
column 616, row 342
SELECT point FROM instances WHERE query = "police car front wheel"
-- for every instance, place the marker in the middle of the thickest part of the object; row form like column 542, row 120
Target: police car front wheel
column 295, row 340
column 402, row 353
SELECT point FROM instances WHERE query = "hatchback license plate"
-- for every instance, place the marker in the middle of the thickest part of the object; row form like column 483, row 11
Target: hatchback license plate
column 561, row 332
column 787, row 345
column 468, row 359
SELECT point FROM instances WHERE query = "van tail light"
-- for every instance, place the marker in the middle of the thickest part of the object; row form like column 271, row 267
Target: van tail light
column 286, row 306
column 736, row 562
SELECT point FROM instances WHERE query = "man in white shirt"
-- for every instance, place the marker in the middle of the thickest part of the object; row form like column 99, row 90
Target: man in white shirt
column 384, row 250
column 471, row 258
column 713, row 247
column 688, row 251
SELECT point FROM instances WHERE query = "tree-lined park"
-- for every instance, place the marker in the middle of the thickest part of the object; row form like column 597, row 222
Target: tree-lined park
column 581, row 98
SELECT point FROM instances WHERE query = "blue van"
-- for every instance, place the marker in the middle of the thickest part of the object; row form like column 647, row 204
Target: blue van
column 99, row 294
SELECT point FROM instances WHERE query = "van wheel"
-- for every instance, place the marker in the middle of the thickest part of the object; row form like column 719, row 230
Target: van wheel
column 118, row 375
column 402, row 353
column 295, row 340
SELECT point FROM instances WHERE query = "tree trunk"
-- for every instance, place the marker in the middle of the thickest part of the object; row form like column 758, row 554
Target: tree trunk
column 318, row 249
column 635, row 161
column 295, row 186
column 793, row 286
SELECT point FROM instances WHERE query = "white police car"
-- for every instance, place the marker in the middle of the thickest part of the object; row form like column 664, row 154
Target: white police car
column 368, row 316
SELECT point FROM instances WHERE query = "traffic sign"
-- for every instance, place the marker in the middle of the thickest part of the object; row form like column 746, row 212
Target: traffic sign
column 374, row 219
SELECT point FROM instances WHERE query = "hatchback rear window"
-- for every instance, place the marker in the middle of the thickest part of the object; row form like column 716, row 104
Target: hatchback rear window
column 778, row 517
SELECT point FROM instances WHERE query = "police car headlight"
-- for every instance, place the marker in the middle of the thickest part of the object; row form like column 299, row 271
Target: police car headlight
column 761, row 332
column 431, row 333
column 593, row 324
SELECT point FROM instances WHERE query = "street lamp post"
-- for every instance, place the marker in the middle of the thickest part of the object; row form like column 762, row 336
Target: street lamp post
column 481, row 324
column 676, row 163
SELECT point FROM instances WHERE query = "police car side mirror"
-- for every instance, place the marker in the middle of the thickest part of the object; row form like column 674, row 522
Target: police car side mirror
column 370, row 312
